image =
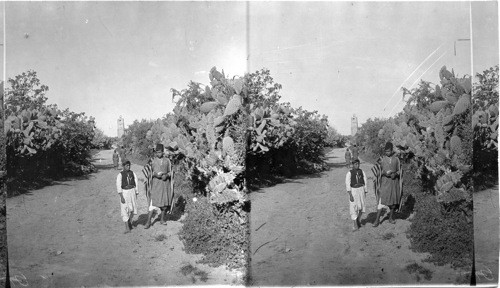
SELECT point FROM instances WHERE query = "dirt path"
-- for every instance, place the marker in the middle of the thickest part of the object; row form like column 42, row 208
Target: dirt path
column 486, row 222
column 71, row 235
column 307, row 221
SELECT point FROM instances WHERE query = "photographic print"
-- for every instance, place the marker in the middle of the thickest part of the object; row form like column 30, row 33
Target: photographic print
column 277, row 143
column 373, row 185
column 126, row 143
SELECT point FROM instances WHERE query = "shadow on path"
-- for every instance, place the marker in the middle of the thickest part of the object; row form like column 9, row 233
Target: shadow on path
column 176, row 214
column 107, row 167
column 337, row 165
column 273, row 181
column 17, row 187
column 25, row 187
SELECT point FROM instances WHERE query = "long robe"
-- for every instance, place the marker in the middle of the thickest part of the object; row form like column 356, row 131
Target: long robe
column 354, row 152
column 116, row 157
column 347, row 156
column 389, row 188
column 161, row 191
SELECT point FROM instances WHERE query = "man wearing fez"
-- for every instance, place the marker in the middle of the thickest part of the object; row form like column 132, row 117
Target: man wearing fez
column 161, row 190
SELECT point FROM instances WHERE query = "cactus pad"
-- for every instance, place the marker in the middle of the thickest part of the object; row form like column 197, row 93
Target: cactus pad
column 456, row 144
column 233, row 106
column 462, row 105
column 228, row 145
column 438, row 105
column 208, row 106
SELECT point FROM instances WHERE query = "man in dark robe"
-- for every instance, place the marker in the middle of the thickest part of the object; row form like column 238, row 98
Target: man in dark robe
column 161, row 189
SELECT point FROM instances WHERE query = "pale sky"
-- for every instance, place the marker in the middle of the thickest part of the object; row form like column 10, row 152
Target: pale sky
column 122, row 58
column 351, row 58
column 485, row 34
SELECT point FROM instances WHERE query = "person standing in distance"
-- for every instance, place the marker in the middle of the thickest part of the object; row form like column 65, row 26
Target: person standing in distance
column 347, row 156
column 116, row 157
column 355, row 152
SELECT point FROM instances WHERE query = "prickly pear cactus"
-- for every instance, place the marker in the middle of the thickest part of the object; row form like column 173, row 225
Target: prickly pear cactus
column 462, row 105
column 438, row 105
column 439, row 143
column 233, row 105
column 271, row 127
column 228, row 146
column 456, row 144
column 205, row 140
column 208, row 106
column 32, row 130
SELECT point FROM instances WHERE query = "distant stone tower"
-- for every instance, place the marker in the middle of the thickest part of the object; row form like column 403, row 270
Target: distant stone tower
column 121, row 127
column 354, row 125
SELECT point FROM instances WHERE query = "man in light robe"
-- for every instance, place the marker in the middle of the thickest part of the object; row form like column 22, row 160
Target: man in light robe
column 355, row 182
column 126, row 186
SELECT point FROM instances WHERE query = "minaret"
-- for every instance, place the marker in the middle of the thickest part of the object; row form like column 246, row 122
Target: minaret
column 354, row 125
column 121, row 127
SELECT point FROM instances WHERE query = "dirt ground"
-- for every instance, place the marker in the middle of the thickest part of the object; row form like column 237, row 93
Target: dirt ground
column 301, row 235
column 71, row 235
column 486, row 223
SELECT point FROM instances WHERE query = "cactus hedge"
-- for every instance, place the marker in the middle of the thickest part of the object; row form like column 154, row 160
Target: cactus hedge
column 435, row 129
column 41, row 139
column 433, row 136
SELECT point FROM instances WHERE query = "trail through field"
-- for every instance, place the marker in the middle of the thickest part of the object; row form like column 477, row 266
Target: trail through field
column 301, row 235
column 71, row 235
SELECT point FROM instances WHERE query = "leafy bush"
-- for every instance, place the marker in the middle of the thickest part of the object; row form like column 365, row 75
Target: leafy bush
column 444, row 234
column 135, row 138
column 334, row 139
column 485, row 126
column 221, row 235
column 368, row 136
column 309, row 137
column 440, row 230
column 281, row 140
column 42, row 140
column 101, row 141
